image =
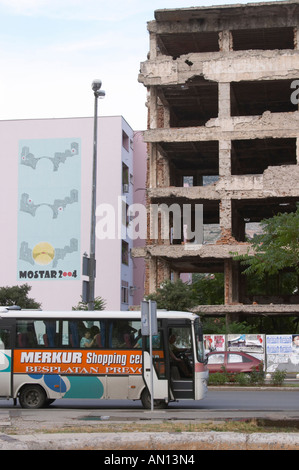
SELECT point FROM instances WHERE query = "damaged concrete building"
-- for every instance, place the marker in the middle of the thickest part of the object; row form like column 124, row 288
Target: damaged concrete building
column 223, row 134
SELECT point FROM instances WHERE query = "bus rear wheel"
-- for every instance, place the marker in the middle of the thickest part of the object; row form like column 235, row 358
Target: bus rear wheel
column 32, row 396
column 146, row 401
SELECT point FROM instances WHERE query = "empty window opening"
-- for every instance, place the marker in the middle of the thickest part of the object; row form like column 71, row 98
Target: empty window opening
column 279, row 288
column 175, row 45
column 192, row 104
column 247, row 214
column 255, row 97
column 253, row 156
column 186, row 223
column 192, row 163
column 263, row 38
column 209, row 288
column 188, row 181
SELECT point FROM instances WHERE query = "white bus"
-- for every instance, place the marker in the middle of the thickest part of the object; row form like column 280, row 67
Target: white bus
column 45, row 356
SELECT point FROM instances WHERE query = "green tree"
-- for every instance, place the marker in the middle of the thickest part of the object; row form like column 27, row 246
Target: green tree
column 218, row 326
column 17, row 295
column 208, row 288
column 277, row 248
column 178, row 296
column 99, row 304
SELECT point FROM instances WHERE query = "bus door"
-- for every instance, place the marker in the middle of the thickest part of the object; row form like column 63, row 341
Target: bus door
column 5, row 359
column 160, row 381
column 180, row 360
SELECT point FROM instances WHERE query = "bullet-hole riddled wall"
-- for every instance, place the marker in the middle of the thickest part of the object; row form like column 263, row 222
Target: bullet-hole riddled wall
column 222, row 133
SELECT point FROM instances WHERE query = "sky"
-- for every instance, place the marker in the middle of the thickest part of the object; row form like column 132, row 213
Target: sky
column 52, row 50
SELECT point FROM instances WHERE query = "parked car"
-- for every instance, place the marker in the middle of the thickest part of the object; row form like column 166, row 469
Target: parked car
column 234, row 362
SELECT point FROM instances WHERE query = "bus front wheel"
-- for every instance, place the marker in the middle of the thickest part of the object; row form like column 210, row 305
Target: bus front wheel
column 146, row 401
column 32, row 396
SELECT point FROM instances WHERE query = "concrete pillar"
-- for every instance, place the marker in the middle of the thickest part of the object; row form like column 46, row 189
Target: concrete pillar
column 166, row 116
column 163, row 271
column 153, row 107
column 231, row 281
column 152, row 275
column 231, row 289
column 224, row 158
column 227, row 282
column 223, row 100
column 225, row 41
column 296, row 38
column 153, row 46
column 153, row 166
column 225, row 215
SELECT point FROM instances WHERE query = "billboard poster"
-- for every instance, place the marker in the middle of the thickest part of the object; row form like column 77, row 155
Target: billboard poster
column 253, row 344
column 283, row 353
column 214, row 343
column 49, row 215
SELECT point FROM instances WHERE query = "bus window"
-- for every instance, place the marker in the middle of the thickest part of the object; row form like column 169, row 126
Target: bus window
column 36, row 333
column 124, row 334
column 4, row 338
column 26, row 336
column 48, row 333
column 182, row 336
column 199, row 341
column 180, row 351
column 117, row 334
column 156, row 342
column 81, row 334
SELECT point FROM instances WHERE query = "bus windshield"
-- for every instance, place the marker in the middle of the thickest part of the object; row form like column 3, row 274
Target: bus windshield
column 199, row 341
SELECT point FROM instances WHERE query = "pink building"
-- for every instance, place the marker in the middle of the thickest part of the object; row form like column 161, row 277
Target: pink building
column 45, row 209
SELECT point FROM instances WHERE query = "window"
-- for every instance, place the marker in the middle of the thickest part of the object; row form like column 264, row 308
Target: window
column 37, row 333
column 125, row 141
column 124, row 292
column 95, row 334
column 4, row 338
column 234, row 358
column 216, row 359
column 125, row 253
column 124, row 334
column 188, row 181
column 125, row 178
column 83, row 334
column 125, row 213
column 252, row 98
column 263, row 38
column 70, row 334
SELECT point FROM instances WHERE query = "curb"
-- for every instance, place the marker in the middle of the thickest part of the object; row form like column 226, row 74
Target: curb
column 152, row 441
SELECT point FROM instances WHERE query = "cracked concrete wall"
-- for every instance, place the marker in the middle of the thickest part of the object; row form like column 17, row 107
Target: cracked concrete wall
column 221, row 67
column 237, row 127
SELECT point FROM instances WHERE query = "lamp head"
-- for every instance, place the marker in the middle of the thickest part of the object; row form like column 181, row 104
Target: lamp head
column 96, row 85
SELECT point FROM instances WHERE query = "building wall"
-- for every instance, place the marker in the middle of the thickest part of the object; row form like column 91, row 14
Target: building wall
column 65, row 292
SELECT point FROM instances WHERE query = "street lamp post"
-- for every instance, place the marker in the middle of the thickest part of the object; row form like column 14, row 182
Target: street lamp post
column 96, row 87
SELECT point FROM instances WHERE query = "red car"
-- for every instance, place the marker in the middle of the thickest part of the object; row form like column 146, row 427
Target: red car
column 234, row 362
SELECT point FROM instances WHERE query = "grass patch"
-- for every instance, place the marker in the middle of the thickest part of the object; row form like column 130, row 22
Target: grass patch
column 241, row 426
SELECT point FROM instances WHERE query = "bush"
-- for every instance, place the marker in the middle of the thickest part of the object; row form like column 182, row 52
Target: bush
column 277, row 378
column 242, row 379
column 257, row 376
column 218, row 378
